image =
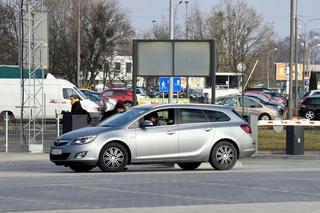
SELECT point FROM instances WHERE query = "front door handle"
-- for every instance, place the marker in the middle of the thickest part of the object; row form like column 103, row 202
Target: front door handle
column 170, row 133
column 207, row 129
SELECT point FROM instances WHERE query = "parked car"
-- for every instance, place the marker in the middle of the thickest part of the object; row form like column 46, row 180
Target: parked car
column 266, row 102
column 310, row 93
column 124, row 96
column 246, row 105
column 106, row 104
column 310, row 108
column 263, row 94
column 192, row 134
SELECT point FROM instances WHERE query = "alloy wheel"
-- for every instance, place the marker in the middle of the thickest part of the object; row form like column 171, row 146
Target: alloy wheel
column 113, row 157
column 310, row 115
column 225, row 155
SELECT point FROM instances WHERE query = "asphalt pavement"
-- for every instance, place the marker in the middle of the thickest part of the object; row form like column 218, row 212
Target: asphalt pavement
column 30, row 182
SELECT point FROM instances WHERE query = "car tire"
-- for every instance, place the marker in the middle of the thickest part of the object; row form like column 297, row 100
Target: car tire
column 113, row 158
column 264, row 116
column 189, row 166
column 81, row 168
column 223, row 156
column 310, row 114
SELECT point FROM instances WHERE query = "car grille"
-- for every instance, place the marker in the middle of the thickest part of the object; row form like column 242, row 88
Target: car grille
column 61, row 142
column 63, row 156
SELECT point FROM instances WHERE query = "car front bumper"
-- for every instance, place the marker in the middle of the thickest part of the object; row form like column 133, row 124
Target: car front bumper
column 66, row 155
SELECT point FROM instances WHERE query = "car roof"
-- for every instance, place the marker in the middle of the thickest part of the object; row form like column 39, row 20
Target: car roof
column 197, row 106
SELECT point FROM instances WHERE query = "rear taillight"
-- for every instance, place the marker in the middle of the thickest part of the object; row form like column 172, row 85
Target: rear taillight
column 101, row 104
column 246, row 128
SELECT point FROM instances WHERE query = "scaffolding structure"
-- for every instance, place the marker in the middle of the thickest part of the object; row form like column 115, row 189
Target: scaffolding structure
column 33, row 61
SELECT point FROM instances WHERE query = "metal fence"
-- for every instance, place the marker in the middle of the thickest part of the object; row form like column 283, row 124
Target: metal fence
column 12, row 140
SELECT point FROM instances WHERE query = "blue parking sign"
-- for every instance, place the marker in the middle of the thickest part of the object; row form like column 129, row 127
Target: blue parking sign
column 164, row 84
column 176, row 84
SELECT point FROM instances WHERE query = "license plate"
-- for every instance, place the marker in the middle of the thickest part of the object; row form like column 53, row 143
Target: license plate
column 56, row 151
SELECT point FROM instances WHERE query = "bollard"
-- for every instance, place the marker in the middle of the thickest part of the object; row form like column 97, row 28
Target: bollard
column 295, row 140
column 58, row 124
column 7, row 129
column 253, row 121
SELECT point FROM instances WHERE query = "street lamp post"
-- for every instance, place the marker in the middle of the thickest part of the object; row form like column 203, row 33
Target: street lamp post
column 268, row 64
column 306, row 47
column 187, row 36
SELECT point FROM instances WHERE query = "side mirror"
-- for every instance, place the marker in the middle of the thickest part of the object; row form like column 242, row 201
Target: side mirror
column 146, row 123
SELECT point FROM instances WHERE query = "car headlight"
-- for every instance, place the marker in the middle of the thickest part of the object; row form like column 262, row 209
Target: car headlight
column 84, row 140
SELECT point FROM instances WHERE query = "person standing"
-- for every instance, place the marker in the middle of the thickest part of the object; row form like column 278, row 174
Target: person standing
column 76, row 108
column 119, row 108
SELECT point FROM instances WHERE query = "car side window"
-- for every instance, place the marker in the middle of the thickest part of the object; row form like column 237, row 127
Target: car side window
column 161, row 117
column 216, row 116
column 219, row 101
column 109, row 93
column 231, row 101
column 67, row 92
column 192, row 116
column 120, row 93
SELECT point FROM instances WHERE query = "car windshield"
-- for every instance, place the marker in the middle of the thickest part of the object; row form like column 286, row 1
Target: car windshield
column 83, row 96
column 93, row 97
column 121, row 119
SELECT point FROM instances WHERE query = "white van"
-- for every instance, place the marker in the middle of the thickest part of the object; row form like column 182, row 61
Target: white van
column 56, row 93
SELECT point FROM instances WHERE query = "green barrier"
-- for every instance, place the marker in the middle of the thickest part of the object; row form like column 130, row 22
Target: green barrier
column 151, row 101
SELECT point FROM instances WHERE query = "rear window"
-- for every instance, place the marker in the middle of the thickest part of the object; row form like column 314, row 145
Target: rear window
column 240, row 116
column 192, row 116
column 216, row 116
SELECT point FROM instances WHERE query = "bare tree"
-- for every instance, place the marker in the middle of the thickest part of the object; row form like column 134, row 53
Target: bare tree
column 239, row 31
column 9, row 31
column 105, row 28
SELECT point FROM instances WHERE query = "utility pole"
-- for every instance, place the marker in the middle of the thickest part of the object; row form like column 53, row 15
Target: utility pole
column 171, row 24
column 78, row 45
column 292, row 41
column 187, row 37
column 296, row 86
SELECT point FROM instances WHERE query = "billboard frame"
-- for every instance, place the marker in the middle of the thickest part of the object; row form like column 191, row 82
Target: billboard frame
column 212, row 63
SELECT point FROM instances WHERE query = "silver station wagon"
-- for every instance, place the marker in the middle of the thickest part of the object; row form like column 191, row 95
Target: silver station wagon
column 186, row 134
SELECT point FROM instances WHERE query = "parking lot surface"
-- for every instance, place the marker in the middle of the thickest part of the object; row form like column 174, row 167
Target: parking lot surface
column 29, row 182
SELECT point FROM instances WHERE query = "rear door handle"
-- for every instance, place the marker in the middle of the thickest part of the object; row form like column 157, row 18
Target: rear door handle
column 170, row 133
column 207, row 129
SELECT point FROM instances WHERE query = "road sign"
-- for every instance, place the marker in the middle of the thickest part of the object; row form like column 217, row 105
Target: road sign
column 176, row 84
column 164, row 84
column 241, row 67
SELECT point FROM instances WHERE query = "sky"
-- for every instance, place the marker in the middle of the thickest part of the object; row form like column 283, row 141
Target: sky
column 275, row 12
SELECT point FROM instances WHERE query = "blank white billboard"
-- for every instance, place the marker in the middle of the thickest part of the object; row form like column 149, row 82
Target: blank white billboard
column 155, row 58
column 173, row 58
column 192, row 58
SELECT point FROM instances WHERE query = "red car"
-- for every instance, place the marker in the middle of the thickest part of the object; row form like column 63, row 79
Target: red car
column 122, row 95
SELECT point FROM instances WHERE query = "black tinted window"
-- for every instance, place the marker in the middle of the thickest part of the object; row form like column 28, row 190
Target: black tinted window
column 192, row 116
column 120, row 93
column 216, row 116
column 312, row 101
